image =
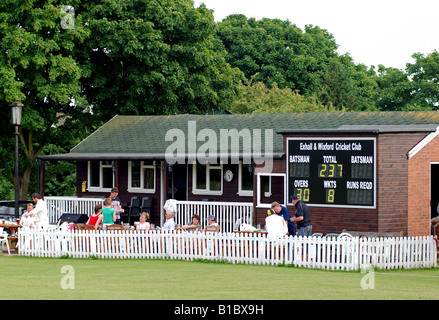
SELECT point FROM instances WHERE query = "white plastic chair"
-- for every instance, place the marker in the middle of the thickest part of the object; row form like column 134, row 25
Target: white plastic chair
column 4, row 238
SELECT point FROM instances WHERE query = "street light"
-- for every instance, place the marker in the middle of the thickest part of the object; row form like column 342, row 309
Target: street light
column 16, row 122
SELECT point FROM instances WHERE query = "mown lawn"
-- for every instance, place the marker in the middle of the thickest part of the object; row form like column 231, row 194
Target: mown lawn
column 41, row 278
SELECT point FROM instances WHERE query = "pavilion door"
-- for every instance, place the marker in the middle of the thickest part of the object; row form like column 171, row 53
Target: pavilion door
column 178, row 182
column 434, row 199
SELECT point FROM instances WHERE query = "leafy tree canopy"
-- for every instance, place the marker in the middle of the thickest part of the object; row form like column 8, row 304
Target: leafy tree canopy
column 306, row 61
column 110, row 57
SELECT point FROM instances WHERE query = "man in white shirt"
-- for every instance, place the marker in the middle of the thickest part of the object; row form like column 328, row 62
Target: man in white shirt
column 276, row 225
column 27, row 219
column 169, row 223
column 40, row 212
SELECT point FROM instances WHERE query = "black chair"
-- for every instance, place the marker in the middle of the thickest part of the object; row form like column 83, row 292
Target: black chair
column 124, row 216
column 134, row 209
column 146, row 204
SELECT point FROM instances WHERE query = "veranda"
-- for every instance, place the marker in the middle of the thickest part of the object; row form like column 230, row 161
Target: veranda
column 227, row 213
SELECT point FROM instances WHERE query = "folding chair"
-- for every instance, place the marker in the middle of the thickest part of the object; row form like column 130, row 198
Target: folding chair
column 134, row 209
column 146, row 204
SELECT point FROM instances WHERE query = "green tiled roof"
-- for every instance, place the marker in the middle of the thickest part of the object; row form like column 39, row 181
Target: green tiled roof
column 144, row 136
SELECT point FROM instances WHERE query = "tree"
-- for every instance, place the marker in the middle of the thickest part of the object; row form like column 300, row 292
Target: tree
column 394, row 93
column 346, row 85
column 38, row 68
column 306, row 61
column 155, row 57
column 258, row 98
column 74, row 72
column 425, row 80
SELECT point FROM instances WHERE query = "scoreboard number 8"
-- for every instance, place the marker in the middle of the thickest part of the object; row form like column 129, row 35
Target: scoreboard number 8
column 330, row 195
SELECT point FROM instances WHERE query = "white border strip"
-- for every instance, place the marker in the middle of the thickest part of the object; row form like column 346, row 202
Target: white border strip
column 422, row 143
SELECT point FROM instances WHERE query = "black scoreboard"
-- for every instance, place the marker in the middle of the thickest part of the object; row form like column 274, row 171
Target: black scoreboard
column 339, row 172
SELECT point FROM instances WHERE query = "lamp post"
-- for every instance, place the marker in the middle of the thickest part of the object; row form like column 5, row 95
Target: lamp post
column 16, row 122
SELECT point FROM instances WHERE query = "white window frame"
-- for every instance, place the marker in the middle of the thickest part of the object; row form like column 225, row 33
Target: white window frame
column 206, row 191
column 141, row 189
column 101, row 179
column 258, row 183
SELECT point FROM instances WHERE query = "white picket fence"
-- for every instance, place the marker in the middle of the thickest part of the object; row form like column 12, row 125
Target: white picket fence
column 310, row 252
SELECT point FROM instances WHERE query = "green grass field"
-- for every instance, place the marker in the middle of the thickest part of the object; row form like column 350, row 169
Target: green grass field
column 41, row 278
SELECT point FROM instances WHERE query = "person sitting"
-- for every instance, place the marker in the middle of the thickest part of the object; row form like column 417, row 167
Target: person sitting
column 143, row 222
column 28, row 219
column 169, row 223
column 212, row 225
column 194, row 226
column 108, row 215
column 93, row 219
column 276, row 225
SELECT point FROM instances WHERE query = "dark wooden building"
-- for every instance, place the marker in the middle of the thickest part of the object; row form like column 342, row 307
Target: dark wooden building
column 368, row 171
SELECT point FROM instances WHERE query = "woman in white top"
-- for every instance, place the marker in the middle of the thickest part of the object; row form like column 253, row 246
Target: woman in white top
column 144, row 224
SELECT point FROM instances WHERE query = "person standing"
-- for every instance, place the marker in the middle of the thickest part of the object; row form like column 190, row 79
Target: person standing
column 40, row 212
column 276, row 225
column 116, row 204
column 302, row 217
column 108, row 215
column 284, row 213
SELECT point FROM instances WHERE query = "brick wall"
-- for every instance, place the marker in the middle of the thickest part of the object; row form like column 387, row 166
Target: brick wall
column 419, row 188
column 393, row 182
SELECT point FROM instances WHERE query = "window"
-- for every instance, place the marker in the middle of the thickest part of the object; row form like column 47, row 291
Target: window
column 100, row 175
column 245, row 179
column 207, row 179
column 270, row 187
column 141, row 176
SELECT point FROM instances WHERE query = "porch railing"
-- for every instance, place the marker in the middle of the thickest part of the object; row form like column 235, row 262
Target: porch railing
column 227, row 214
column 56, row 206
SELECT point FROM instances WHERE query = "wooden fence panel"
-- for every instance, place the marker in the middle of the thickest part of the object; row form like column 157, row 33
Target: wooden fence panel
column 311, row 252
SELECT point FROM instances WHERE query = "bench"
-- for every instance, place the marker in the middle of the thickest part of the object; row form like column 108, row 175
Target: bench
column 373, row 234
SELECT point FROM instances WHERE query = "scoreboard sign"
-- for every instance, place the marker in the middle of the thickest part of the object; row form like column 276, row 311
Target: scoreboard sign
column 339, row 172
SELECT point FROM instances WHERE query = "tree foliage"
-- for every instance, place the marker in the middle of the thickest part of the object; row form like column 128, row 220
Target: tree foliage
column 155, row 57
column 39, row 69
column 119, row 57
column 258, row 98
column 305, row 61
